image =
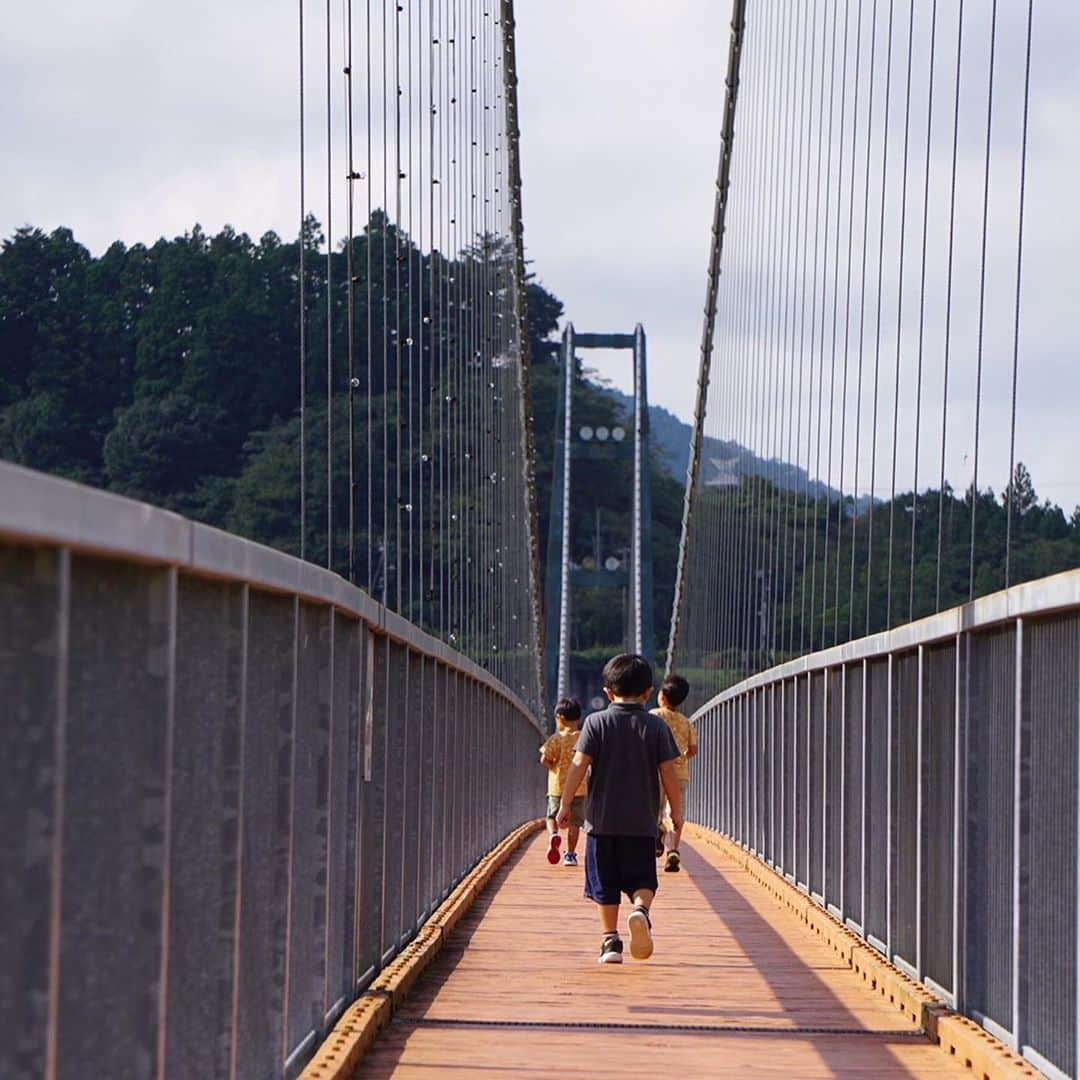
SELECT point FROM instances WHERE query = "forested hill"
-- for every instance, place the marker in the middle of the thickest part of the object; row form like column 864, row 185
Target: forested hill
column 719, row 457
column 170, row 373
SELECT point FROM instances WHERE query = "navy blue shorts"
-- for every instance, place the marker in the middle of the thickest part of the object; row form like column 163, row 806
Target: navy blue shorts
column 618, row 864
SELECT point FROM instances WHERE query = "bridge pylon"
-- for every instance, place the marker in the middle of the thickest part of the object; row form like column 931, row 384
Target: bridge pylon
column 634, row 575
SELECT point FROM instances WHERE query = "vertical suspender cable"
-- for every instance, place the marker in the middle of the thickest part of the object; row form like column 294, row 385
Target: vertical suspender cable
column 900, row 313
column 922, row 309
column 400, row 408
column 847, row 349
column 837, row 230
column 877, row 325
column 350, row 276
column 1016, row 314
column 982, row 297
column 303, row 298
column 369, row 357
column 862, row 311
column 329, row 297
column 948, row 302
column 384, row 304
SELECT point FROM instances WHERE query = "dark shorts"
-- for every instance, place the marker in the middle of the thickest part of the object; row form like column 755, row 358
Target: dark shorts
column 618, row 864
column 577, row 809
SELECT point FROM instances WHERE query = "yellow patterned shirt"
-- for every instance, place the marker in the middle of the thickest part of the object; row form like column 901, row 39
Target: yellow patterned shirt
column 557, row 755
column 685, row 737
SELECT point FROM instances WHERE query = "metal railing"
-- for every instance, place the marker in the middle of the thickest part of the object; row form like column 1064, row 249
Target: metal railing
column 234, row 786
column 922, row 784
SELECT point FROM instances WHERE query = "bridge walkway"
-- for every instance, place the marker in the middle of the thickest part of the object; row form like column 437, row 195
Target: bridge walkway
column 738, row 986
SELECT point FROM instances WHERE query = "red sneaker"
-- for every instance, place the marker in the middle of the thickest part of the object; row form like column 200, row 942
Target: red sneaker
column 553, row 848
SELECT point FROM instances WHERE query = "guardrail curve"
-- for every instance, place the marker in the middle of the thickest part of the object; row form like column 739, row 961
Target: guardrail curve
column 234, row 787
column 922, row 784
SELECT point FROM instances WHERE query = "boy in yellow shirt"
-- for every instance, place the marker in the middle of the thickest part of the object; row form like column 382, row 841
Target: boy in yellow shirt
column 672, row 694
column 556, row 755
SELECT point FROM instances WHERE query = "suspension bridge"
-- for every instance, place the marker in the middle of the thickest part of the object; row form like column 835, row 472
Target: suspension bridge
column 272, row 813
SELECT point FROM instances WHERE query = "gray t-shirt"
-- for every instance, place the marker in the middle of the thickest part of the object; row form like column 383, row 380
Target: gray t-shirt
column 627, row 745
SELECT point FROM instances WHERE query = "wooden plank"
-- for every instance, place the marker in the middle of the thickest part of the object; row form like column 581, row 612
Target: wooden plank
column 728, row 956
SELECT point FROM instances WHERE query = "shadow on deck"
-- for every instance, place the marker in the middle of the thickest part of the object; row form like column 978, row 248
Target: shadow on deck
column 737, row 986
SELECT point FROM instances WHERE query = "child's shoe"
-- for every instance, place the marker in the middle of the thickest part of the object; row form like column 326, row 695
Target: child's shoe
column 673, row 864
column 640, row 927
column 554, row 843
column 611, row 950
column 570, row 859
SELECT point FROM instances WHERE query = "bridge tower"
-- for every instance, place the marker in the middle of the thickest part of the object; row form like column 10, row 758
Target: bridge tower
column 563, row 576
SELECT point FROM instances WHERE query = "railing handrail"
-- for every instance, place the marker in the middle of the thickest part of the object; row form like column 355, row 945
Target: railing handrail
column 39, row 508
column 1030, row 598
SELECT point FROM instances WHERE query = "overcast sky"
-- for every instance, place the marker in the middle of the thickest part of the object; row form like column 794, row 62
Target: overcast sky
column 136, row 119
column 133, row 119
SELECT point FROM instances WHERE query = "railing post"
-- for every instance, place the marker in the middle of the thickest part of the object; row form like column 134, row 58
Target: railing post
column 862, row 796
column 841, row 906
column 889, row 841
column 919, row 803
column 806, row 781
column 167, row 824
column 1017, row 920
column 959, row 803
column 56, row 855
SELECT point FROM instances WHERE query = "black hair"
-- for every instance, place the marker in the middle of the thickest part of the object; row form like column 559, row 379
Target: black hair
column 569, row 709
column 628, row 675
column 675, row 690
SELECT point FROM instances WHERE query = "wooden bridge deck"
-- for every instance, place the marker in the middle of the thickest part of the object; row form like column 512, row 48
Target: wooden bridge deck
column 517, row 991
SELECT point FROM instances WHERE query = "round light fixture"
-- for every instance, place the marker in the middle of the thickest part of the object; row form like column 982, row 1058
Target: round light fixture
column 611, row 564
column 586, row 433
column 603, row 434
column 618, row 434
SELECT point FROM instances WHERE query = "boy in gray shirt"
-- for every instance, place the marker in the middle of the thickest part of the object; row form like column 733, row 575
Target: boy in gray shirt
column 631, row 753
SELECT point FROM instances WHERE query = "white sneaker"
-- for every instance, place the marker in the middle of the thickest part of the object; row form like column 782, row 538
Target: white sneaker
column 641, row 942
column 610, row 951
column 570, row 859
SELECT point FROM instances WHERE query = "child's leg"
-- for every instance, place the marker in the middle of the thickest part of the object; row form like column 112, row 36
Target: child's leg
column 572, row 834
column 673, row 837
column 609, row 918
column 554, row 840
column 640, row 925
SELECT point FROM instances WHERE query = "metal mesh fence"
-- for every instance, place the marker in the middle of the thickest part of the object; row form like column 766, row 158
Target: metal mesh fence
column 227, row 804
column 1048, row 837
column 924, row 785
column 816, row 784
column 938, row 813
column 990, row 850
column 851, row 840
column 834, row 786
column 878, row 674
column 905, row 807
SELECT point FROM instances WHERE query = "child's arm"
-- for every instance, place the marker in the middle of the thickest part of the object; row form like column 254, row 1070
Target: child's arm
column 548, row 758
column 691, row 750
column 571, row 784
column 671, row 789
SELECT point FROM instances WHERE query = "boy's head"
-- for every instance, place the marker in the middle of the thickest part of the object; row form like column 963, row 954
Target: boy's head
column 674, row 691
column 628, row 676
column 567, row 712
